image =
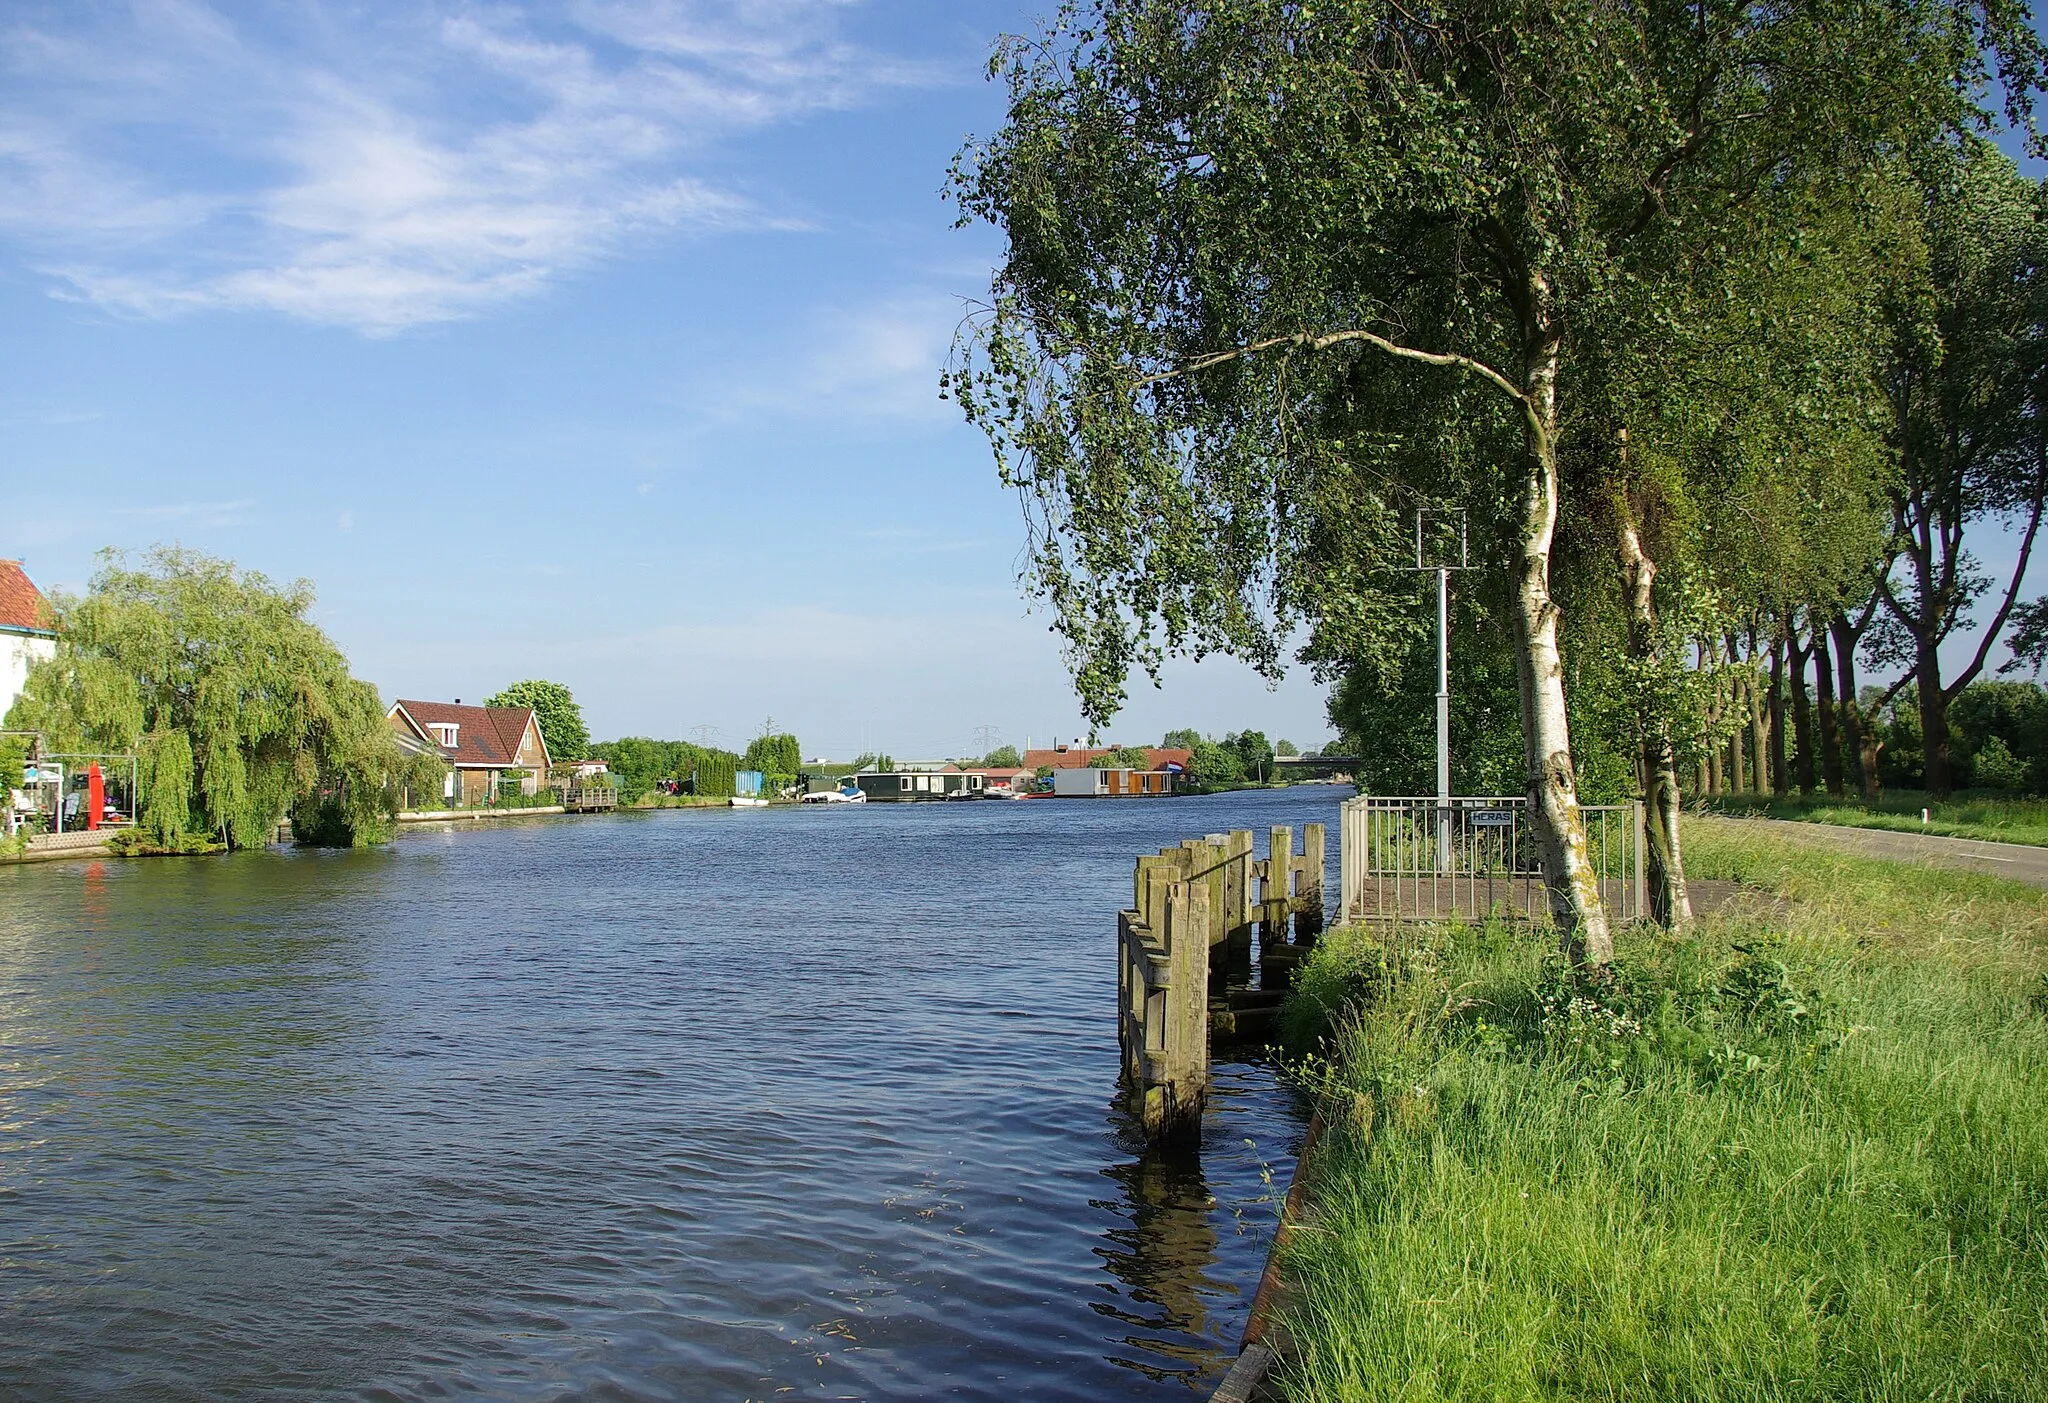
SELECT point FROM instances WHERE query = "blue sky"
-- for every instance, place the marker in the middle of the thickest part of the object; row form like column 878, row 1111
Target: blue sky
column 595, row 341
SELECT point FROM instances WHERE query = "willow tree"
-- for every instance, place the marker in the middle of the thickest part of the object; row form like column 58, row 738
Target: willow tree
column 1216, row 208
column 236, row 704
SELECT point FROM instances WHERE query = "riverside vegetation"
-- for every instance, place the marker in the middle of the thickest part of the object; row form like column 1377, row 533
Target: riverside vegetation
column 1798, row 1152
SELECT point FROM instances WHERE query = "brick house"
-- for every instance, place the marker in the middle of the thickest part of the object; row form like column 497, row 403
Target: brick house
column 479, row 744
column 1082, row 757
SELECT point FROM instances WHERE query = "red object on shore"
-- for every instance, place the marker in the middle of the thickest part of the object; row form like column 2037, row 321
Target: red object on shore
column 95, row 795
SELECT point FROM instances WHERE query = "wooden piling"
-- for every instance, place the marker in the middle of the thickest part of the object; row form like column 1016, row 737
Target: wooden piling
column 1308, row 901
column 1163, row 988
column 1193, row 911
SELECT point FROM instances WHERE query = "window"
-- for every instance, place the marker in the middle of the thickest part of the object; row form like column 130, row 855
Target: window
column 445, row 732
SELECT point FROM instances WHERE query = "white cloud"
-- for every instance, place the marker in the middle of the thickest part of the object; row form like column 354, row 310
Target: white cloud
column 415, row 167
column 876, row 362
column 198, row 516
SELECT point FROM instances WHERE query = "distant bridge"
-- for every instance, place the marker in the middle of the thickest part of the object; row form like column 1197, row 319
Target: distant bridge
column 1317, row 762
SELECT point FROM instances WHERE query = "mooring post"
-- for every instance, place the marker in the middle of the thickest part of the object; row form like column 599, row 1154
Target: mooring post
column 1308, row 908
column 1187, row 1055
column 1237, row 881
column 1278, row 905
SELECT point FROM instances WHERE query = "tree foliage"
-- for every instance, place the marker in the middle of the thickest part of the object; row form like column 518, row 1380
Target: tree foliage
column 775, row 753
column 236, row 704
column 556, row 711
column 1966, row 378
column 1362, row 190
column 1280, row 273
column 639, row 765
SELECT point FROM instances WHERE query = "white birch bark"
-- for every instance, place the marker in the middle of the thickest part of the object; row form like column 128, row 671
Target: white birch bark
column 1657, row 765
column 1546, row 732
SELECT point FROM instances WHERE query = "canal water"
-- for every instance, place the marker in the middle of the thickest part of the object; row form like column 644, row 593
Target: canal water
column 755, row 1104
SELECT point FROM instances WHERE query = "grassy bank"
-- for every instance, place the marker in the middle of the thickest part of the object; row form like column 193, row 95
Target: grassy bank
column 1990, row 817
column 1794, row 1157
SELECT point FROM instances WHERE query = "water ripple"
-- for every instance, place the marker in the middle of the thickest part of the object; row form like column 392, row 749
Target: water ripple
column 684, row 1104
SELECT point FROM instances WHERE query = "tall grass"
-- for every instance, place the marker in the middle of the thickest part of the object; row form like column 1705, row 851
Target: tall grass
column 1993, row 817
column 1801, row 1155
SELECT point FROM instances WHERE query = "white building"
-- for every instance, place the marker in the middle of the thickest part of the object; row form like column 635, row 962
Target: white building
column 25, row 634
column 1110, row 784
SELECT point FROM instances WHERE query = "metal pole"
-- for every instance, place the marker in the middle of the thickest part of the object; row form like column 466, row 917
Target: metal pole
column 1443, row 720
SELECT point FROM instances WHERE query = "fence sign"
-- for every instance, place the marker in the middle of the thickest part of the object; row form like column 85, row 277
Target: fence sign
column 1490, row 818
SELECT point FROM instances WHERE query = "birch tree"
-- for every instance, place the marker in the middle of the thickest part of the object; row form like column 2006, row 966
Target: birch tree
column 1217, row 211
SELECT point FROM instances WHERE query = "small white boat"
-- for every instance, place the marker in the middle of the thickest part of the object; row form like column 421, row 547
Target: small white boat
column 742, row 802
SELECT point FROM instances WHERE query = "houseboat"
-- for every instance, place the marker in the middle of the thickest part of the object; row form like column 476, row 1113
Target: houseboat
column 909, row 786
column 1110, row 784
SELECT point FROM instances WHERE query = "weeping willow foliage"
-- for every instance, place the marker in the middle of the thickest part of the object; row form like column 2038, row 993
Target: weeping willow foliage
column 238, row 707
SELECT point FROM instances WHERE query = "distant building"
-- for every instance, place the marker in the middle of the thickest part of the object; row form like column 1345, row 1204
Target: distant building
column 1071, row 783
column 889, row 786
column 479, row 744
column 25, row 633
column 1082, row 757
column 1013, row 777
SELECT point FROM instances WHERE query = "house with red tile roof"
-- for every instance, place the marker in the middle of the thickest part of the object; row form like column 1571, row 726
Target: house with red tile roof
column 483, row 746
column 1081, row 757
column 26, row 635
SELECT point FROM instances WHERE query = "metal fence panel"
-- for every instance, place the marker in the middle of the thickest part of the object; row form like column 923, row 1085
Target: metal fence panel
column 1416, row 858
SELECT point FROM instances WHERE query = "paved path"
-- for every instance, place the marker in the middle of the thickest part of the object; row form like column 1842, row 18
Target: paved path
column 2017, row 861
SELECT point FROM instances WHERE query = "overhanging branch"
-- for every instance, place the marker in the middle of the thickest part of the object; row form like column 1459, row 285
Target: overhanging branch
column 1312, row 341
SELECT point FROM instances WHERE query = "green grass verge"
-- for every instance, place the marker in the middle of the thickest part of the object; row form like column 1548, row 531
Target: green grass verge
column 1989, row 817
column 1794, row 1157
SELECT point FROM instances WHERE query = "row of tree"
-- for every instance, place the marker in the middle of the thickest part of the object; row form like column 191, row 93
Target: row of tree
column 1706, row 334
column 640, row 766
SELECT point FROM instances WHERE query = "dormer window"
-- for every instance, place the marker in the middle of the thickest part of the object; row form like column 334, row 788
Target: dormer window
column 445, row 732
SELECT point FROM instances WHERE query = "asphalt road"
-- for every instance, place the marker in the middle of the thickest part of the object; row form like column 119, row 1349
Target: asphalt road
column 2017, row 861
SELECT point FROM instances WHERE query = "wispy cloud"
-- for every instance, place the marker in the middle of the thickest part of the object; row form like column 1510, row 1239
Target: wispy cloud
column 199, row 516
column 420, row 167
column 881, row 361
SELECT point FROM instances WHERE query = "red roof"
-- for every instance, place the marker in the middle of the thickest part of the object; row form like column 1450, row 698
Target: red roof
column 484, row 736
column 1084, row 757
column 22, row 605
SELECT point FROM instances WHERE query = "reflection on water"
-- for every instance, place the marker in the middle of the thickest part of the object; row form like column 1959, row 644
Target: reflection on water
column 1184, row 1296
column 781, row 1103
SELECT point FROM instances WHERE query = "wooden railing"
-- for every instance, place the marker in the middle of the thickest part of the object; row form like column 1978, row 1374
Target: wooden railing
column 589, row 798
